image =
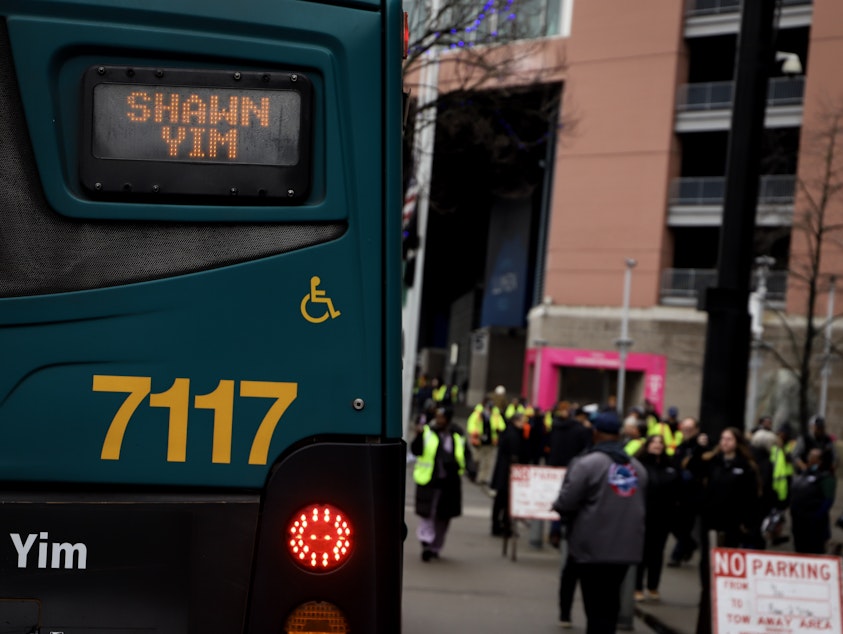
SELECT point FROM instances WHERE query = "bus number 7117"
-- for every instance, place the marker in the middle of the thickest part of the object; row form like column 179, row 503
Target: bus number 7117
column 177, row 400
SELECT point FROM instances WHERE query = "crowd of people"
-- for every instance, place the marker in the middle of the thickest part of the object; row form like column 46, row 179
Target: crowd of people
column 629, row 484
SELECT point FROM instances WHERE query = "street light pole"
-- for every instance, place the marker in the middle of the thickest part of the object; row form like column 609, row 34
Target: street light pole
column 826, row 371
column 624, row 343
column 539, row 344
column 757, row 300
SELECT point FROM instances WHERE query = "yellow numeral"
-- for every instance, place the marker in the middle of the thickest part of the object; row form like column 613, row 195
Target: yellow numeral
column 176, row 400
column 284, row 394
column 137, row 388
column 221, row 400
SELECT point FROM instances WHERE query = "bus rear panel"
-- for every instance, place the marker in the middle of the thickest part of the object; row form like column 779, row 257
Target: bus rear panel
column 199, row 314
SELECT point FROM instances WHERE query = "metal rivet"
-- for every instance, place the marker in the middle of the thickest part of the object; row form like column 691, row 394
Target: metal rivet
column 130, row 72
column 156, row 188
column 237, row 76
column 98, row 186
column 233, row 191
column 358, row 404
column 127, row 187
column 291, row 193
column 101, row 70
column 265, row 77
column 294, row 77
column 159, row 73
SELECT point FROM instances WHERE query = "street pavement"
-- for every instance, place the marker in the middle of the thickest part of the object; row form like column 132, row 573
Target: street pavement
column 474, row 587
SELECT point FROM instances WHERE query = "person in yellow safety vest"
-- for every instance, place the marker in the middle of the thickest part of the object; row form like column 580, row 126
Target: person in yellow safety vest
column 632, row 436
column 454, row 391
column 443, row 458
column 667, row 429
column 484, row 424
column 440, row 390
column 517, row 406
column 782, row 465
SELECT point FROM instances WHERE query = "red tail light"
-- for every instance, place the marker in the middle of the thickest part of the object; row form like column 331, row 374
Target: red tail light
column 319, row 537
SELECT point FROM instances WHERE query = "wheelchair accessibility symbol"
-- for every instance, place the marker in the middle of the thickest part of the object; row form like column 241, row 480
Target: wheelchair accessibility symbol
column 317, row 297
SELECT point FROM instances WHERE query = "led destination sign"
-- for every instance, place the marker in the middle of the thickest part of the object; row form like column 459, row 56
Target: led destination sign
column 176, row 132
column 180, row 123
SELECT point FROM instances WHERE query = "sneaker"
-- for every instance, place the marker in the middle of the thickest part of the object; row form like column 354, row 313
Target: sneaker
column 427, row 555
column 653, row 595
column 566, row 624
column 638, row 596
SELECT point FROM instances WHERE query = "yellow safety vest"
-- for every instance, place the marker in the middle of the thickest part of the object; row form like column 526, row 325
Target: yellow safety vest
column 633, row 445
column 671, row 438
column 512, row 409
column 423, row 471
column 782, row 470
column 474, row 424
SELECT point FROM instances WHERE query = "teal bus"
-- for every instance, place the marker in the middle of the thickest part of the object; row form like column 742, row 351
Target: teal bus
column 200, row 408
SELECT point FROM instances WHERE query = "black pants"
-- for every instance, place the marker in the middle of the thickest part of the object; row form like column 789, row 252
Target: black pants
column 567, row 587
column 684, row 529
column 601, row 595
column 655, row 538
column 501, row 521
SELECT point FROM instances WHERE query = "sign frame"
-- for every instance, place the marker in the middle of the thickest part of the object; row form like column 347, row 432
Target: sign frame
column 770, row 592
column 149, row 180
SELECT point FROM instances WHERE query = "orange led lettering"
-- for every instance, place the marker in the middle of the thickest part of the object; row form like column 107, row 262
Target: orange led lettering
column 227, row 140
column 196, row 134
column 173, row 143
column 171, row 108
column 248, row 107
column 139, row 111
column 198, row 127
column 216, row 115
column 193, row 110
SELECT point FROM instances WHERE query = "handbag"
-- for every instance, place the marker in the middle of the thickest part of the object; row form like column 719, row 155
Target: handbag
column 773, row 524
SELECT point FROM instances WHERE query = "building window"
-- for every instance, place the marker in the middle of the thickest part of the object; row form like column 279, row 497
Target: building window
column 467, row 23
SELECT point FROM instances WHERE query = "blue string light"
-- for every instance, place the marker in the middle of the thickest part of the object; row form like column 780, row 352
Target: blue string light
column 459, row 41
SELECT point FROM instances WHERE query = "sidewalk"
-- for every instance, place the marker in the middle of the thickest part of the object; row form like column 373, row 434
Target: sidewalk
column 676, row 611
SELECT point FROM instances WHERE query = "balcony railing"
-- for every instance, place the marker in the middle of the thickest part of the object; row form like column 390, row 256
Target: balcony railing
column 718, row 95
column 685, row 286
column 712, row 7
column 711, row 190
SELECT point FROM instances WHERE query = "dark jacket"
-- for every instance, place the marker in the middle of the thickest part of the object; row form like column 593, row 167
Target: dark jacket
column 663, row 482
column 602, row 501
column 513, row 448
column 568, row 439
column 811, row 500
column 731, row 497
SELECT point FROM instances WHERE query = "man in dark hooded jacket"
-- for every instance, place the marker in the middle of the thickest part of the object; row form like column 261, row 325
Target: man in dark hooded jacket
column 602, row 503
column 568, row 439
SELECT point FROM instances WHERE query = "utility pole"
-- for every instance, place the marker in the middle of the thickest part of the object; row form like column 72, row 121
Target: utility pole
column 723, row 396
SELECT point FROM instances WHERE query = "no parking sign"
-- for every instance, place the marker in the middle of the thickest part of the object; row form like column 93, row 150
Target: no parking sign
column 533, row 490
column 760, row 592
